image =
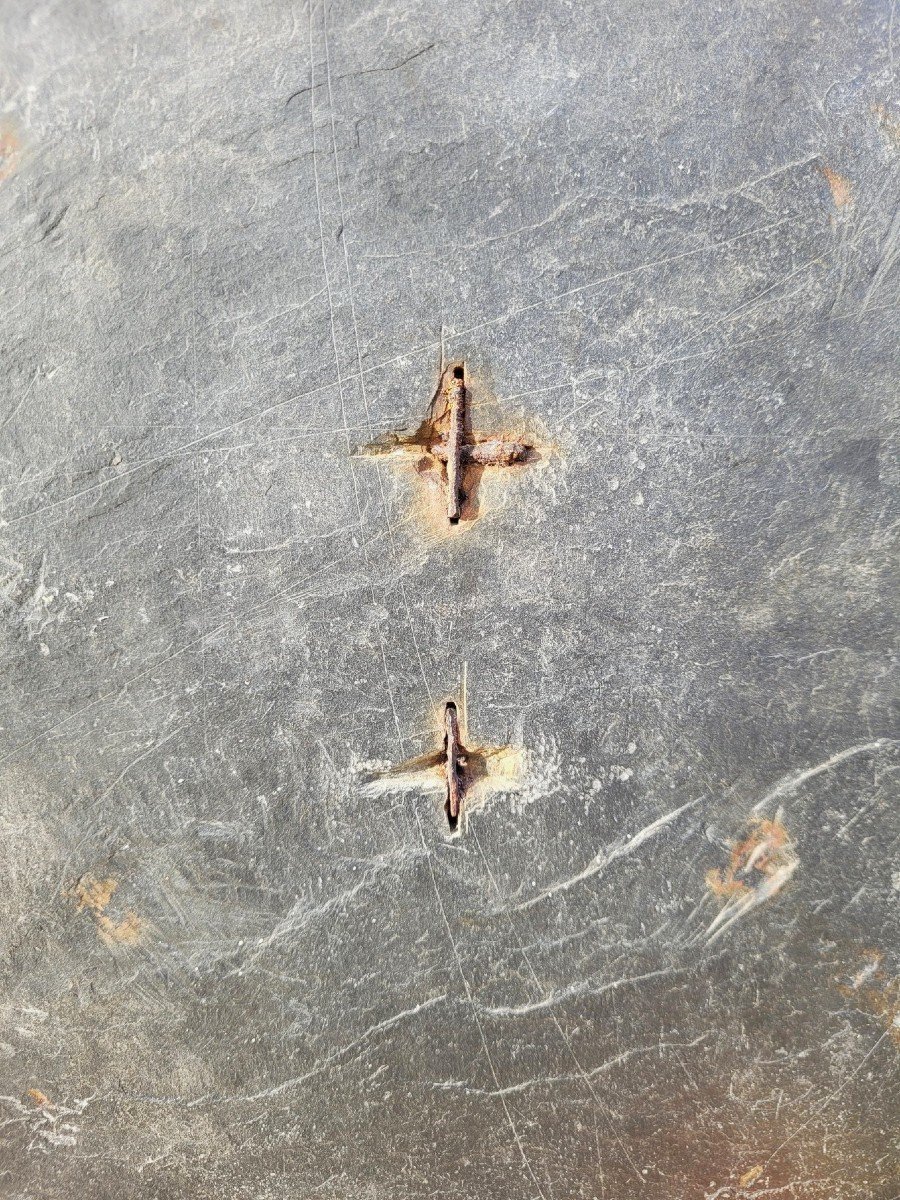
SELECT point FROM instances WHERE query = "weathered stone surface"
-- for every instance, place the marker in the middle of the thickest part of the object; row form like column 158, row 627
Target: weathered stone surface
column 237, row 241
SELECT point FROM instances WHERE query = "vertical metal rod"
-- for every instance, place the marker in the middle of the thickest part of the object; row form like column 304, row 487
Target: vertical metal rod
column 457, row 404
column 451, row 746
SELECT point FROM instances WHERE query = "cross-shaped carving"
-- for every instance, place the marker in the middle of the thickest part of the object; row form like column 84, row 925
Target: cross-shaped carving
column 458, row 770
column 445, row 444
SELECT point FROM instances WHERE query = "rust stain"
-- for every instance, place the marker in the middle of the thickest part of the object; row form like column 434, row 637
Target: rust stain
column 125, row 932
column 93, row 896
column 38, row 1097
column 766, row 849
column 888, row 122
column 750, row 1177
column 10, row 149
column 841, row 187
column 759, row 866
column 871, row 989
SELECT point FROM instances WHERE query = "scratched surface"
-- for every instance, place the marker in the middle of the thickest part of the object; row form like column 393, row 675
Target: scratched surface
column 241, row 959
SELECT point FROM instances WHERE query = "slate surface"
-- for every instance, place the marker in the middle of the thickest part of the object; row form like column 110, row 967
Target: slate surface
column 238, row 242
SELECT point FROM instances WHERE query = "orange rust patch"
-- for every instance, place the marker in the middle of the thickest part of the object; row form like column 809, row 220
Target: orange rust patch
column 10, row 150
column 38, row 1097
column 873, row 991
column 429, row 505
column 125, row 932
column 93, row 896
column 750, row 1177
column 767, row 849
column 724, row 885
column 841, row 187
column 888, row 122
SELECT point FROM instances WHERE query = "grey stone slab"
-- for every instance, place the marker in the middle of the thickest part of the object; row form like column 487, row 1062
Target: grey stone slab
column 239, row 242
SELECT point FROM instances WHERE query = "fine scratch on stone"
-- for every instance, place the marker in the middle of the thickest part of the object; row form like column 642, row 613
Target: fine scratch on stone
column 591, row 1073
column 606, row 856
column 358, row 74
column 295, row 1081
column 617, row 275
column 510, row 1120
column 582, row 988
column 889, row 255
column 17, row 406
column 138, row 758
column 831, row 1096
column 791, row 783
column 301, row 915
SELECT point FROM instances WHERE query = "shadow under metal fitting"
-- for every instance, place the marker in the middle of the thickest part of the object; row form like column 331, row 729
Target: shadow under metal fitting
column 454, row 765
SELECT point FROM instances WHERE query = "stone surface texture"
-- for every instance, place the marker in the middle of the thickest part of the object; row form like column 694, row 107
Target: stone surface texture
column 239, row 242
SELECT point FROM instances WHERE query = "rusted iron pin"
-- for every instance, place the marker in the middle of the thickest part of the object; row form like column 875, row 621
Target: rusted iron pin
column 452, row 764
column 493, row 452
column 456, row 397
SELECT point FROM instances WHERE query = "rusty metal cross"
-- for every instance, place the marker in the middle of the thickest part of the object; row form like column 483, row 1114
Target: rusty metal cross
column 463, row 771
column 446, row 441
column 456, row 447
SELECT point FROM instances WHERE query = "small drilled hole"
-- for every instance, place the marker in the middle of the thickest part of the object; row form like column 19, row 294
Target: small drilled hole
column 459, row 372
